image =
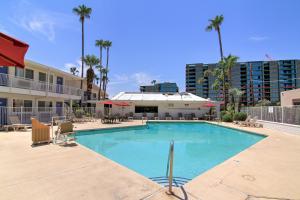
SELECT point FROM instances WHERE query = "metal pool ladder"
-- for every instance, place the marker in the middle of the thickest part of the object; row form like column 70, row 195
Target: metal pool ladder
column 170, row 166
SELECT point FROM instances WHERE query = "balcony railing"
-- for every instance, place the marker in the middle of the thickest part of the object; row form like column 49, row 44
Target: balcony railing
column 23, row 83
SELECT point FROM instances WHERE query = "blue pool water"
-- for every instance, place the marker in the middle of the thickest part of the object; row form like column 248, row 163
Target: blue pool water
column 197, row 146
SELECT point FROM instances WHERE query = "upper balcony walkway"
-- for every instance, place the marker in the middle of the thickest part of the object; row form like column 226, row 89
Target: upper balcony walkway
column 20, row 85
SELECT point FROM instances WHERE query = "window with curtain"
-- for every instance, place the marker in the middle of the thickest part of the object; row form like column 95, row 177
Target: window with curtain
column 42, row 77
column 19, row 72
column 29, row 74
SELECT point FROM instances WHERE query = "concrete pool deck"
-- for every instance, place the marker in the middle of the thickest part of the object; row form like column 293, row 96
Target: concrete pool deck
column 270, row 169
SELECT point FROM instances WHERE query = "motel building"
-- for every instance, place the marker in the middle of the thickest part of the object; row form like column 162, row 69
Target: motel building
column 39, row 90
column 154, row 104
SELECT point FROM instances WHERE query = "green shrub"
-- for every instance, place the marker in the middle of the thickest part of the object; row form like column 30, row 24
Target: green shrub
column 79, row 113
column 240, row 116
column 223, row 112
column 227, row 118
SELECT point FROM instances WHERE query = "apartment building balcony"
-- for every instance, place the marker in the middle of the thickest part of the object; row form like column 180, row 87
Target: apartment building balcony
column 20, row 85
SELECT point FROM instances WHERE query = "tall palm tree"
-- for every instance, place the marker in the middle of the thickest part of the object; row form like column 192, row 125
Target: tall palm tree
column 74, row 70
column 153, row 82
column 101, row 44
column 91, row 61
column 216, row 25
column 84, row 13
column 107, row 45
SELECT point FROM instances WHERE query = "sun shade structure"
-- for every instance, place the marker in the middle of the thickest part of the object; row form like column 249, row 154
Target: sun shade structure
column 12, row 51
column 177, row 97
column 109, row 102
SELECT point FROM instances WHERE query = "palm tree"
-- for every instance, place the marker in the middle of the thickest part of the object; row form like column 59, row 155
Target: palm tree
column 236, row 96
column 216, row 25
column 74, row 70
column 229, row 63
column 153, row 82
column 107, row 45
column 104, row 80
column 100, row 69
column 101, row 44
column 91, row 61
column 84, row 13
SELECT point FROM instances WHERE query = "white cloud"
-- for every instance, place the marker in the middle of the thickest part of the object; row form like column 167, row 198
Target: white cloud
column 38, row 21
column 258, row 38
column 129, row 82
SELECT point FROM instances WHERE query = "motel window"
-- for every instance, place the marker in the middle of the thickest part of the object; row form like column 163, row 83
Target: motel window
column 19, row 72
column 146, row 109
column 186, row 105
column 29, row 74
column 26, row 104
column 41, row 105
column 42, row 77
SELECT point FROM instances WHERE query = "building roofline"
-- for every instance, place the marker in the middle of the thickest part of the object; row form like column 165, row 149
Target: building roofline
column 245, row 61
column 53, row 69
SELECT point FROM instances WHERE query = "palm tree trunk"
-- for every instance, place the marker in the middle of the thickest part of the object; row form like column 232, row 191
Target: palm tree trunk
column 82, row 55
column 224, row 78
column 100, row 78
column 106, row 80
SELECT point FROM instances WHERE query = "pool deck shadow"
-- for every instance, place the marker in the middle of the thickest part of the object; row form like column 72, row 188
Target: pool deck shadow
column 270, row 169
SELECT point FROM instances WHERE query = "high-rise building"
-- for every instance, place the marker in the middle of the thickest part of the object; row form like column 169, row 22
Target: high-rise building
column 258, row 79
column 160, row 87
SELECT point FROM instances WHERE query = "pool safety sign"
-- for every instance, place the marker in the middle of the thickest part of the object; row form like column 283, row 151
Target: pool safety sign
column 270, row 109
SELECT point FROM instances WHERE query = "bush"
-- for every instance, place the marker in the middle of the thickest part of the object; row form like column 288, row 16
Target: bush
column 227, row 118
column 223, row 112
column 240, row 116
column 79, row 113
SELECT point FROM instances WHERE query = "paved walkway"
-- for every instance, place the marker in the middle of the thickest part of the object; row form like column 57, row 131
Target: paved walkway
column 269, row 169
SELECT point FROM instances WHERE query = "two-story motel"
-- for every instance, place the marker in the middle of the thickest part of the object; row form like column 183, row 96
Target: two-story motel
column 37, row 88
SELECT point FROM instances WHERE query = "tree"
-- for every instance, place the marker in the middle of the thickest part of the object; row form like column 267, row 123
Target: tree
column 153, row 82
column 101, row 44
column 74, row 70
column 107, row 45
column 236, row 96
column 91, row 61
column 100, row 69
column 216, row 25
column 263, row 102
column 84, row 13
column 229, row 63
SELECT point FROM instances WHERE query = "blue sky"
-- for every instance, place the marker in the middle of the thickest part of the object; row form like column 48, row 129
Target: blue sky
column 153, row 39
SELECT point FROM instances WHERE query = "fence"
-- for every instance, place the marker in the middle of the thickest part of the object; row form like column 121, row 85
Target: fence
column 281, row 114
column 43, row 114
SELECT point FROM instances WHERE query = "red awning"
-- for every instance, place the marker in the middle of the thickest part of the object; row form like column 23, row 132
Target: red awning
column 109, row 102
column 12, row 51
column 121, row 104
column 210, row 104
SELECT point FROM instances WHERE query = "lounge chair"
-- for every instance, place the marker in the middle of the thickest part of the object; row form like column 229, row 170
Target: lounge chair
column 40, row 132
column 194, row 116
column 156, row 116
column 180, row 116
column 64, row 132
column 244, row 123
column 144, row 117
column 15, row 123
column 168, row 116
column 130, row 117
column 253, row 123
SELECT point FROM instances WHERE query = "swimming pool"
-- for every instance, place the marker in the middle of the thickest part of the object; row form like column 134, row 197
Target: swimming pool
column 144, row 149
